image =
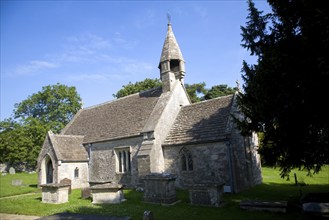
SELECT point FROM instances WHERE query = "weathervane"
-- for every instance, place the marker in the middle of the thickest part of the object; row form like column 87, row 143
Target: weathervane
column 169, row 18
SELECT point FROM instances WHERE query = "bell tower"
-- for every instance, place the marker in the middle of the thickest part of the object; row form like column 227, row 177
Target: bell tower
column 172, row 64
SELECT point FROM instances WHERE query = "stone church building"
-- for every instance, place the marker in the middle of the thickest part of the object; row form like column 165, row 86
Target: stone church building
column 155, row 131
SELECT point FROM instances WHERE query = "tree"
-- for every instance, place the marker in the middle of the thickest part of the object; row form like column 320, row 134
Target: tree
column 196, row 91
column 55, row 105
column 283, row 91
column 21, row 143
column 131, row 88
column 50, row 109
column 218, row 91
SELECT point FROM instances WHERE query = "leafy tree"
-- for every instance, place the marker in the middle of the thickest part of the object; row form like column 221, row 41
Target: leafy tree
column 218, row 91
column 21, row 142
column 55, row 105
column 283, row 91
column 196, row 91
column 131, row 88
column 50, row 109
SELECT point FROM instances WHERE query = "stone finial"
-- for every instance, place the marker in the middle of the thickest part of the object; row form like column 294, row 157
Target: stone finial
column 238, row 85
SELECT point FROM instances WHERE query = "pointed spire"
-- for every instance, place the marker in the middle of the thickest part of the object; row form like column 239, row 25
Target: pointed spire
column 172, row 64
column 170, row 50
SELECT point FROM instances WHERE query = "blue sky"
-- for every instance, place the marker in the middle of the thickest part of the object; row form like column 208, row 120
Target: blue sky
column 99, row 46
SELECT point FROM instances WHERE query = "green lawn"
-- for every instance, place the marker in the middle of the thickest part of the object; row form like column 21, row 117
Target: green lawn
column 29, row 184
column 273, row 188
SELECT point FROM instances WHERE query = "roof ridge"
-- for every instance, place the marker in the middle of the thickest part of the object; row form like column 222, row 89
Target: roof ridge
column 208, row 100
column 68, row 135
column 53, row 143
column 119, row 99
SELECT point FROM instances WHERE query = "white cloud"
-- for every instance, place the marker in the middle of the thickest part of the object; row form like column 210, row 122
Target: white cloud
column 88, row 57
column 34, row 66
column 88, row 41
column 83, row 48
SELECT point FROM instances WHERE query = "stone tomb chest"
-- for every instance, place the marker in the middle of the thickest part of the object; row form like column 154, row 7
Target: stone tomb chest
column 160, row 188
column 107, row 193
column 206, row 194
column 55, row 193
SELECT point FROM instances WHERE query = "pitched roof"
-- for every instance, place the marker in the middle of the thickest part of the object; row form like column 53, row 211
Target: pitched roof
column 120, row 118
column 68, row 147
column 201, row 122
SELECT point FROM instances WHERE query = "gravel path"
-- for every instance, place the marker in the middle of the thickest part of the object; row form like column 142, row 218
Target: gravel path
column 17, row 217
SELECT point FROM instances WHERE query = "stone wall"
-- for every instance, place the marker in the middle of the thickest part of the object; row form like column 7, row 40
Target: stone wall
column 46, row 152
column 160, row 123
column 246, row 165
column 210, row 164
column 67, row 170
column 103, row 164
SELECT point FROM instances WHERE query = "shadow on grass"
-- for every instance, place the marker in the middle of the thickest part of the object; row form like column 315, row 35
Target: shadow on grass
column 66, row 215
column 38, row 199
column 134, row 206
column 33, row 185
column 275, row 191
column 290, row 193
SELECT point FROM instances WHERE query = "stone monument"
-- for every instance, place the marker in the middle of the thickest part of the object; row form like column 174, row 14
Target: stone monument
column 160, row 188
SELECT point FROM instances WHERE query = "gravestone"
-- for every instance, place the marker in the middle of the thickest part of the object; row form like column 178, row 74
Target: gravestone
column 259, row 205
column 315, row 205
column 16, row 182
column 85, row 193
column 66, row 181
column 148, row 215
column 12, row 170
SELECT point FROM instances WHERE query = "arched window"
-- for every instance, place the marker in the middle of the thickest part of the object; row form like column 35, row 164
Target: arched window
column 186, row 160
column 76, row 172
column 123, row 160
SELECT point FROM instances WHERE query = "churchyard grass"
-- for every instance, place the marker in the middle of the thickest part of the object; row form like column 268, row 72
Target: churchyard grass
column 273, row 188
column 29, row 184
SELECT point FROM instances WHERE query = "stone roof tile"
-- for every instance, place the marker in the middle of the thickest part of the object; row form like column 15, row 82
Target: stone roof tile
column 201, row 122
column 120, row 118
column 69, row 147
column 170, row 49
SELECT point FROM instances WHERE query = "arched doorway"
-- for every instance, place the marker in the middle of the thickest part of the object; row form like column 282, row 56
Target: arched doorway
column 49, row 171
